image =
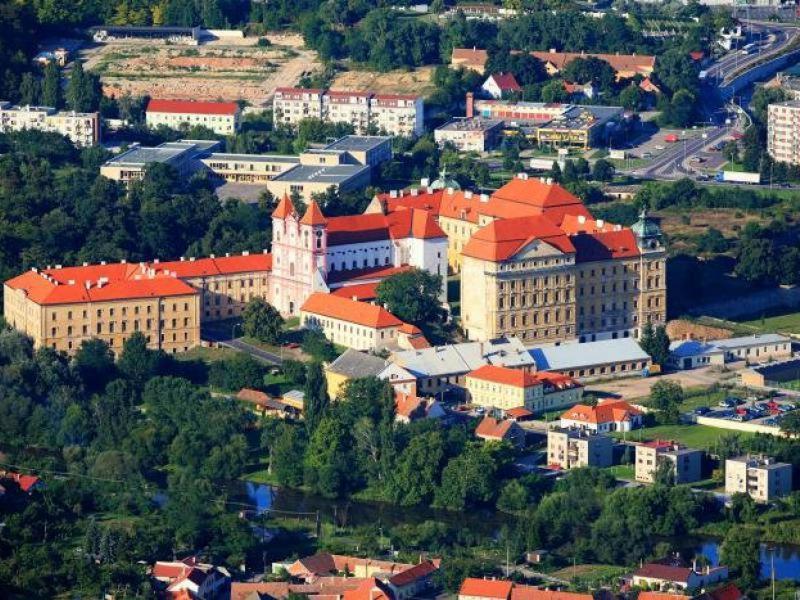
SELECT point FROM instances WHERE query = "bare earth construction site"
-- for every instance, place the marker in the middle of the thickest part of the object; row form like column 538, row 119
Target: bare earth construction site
column 219, row 70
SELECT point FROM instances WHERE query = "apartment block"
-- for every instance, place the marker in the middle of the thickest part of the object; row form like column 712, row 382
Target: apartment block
column 220, row 117
column 575, row 448
column 82, row 129
column 685, row 463
column 783, row 131
column 394, row 114
column 470, row 135
column 760, row 477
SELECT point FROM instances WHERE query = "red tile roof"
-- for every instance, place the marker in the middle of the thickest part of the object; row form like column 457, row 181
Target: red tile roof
column 369, row 589
column 470, row 56
column 192, row 107
column 605, row 412
column 313, row 215
column 486, row 588
column 363, row 292
column 368, row 274
column 506, row 82
column 605, row 245
column 356, row 229
column 491, row 428
column 221, row 265
column 360, row 313
column 529, row 592
column 664, row 572
column 284, row 209
column 726, row 592
column 661, row 596
column 505, row 376
column 519, row 412
column 500, row 240
column 625, row 63
column 415, row 573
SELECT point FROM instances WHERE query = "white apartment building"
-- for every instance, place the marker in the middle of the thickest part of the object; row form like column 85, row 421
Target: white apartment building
column 783, row 131
column 395, row 114
column 82, row 129
column 292, row 105
column 762, row 478
column 398, row 114
column 220, row 117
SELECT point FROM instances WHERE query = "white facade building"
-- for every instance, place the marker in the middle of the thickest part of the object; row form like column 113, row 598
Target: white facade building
column 220, row 117
column 783, row 131
column 82, row 129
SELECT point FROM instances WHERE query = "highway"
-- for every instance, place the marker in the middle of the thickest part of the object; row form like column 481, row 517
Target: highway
column 771, row 40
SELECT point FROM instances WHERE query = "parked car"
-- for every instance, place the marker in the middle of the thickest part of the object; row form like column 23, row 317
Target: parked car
column 702, row 410
column 728, row 403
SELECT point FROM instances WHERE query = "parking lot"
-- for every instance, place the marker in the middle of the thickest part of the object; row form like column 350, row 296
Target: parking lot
column 768, row 412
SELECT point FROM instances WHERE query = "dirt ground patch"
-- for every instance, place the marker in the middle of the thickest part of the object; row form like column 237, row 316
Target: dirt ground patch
column 728, row 220
column 215, row 71
column 417, row 81
column 679, row 329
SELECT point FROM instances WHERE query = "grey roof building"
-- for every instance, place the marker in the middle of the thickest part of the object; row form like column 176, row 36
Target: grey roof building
column 354, row 364
column 591, row 360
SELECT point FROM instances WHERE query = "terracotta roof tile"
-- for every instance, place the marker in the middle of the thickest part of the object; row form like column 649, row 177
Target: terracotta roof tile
column 501, row 240
column 486, row 588
column 284, row 209
column 495, row 429
column 360, row 313
column 192, row 106
column 313, row 215
column 664, row 572
column 605, row 412
column 505, row 376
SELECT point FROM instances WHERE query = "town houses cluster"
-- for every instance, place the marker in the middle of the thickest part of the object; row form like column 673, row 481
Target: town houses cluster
column 534, row 264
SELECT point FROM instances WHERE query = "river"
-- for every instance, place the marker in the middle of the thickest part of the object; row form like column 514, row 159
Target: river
column 483, row 522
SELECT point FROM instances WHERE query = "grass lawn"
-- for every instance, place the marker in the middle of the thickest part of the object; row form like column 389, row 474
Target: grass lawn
column 626, row 472
column 789, row 323
column 277, row 385
column 206, row 354
column 590, row 573
column 695, row 436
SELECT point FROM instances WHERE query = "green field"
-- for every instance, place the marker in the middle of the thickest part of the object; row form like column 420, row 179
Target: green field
column 206, row 354
column 789, row 323
column 695, row 436
column 626, row 472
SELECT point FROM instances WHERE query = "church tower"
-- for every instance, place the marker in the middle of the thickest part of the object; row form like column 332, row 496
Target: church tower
column 652, row 267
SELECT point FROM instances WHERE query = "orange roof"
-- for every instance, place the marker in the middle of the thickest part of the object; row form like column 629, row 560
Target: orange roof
column 362, row 292
column 221, row 265
column 605, row 412
column 505, row 376
column 313, row 215
column 661, row 596
column 528, row 592
column 536, row 193
column 192, row 107
column 485, row 588
column 605, row 245
column 369, row 589
column 621, row 63
column 519, row 412
column 500, row 240
column 557, row 380
column 470, row 56
column 491, row 428
column 360, row 313
column 284, row 209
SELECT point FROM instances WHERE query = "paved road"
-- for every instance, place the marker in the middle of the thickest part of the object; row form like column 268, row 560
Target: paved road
column 253, row 351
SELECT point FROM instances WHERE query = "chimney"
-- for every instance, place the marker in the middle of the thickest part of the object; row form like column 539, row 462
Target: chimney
column 156, row 261
column 183, row 258
column 470, row 102
column 484, row 198
column 246, row 253
column 468, row 195
column 392, row 193
column 102, row 262
column 549, row 181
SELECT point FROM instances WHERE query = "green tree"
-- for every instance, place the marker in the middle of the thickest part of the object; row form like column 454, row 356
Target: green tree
column 412, row 296
column 137, row 362
column 328, row 460
column 632, row 97
column 30, row 90
column 513, row 497
column 740, row 553
column 602, row 170
column 790, row 424
column 51, row 86
column 666, row 397
column 262, row 321
column 553, row 91
column 94, row 363
column 316, row 399
column 664, row 473
column 83, row 90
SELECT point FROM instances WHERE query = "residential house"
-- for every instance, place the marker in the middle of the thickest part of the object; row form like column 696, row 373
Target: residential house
column 351, row 364
column 607, row 415
column 626, row 66
column 685, row 464
column 493, row 386
column 494, row 589
column 672, row 575
column 577, row 448
column 191, row 578
column 312, row 568
column 323, row 588
column 264, row 404
column 408, row 408
column 469, row 58
column 26, row 483
column 500, row 85
column 496, row 430
column 760, row 477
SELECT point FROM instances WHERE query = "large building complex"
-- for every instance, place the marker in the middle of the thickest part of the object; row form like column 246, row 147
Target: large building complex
column 219, row 117
column 577, row 448
column 345, row 164
column 394, row 114
column 761, row 478
column 625, row 66
column 685, row 464
column 536, row 265
column 783, row 131
column 82, row 129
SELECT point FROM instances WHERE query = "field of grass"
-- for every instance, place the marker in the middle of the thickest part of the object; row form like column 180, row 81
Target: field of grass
column 788, row 323
column 206, row 354
column 590, row 574
column 695, row 436
column 625, row 472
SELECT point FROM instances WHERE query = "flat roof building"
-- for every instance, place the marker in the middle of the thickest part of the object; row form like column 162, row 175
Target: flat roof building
column 182, row 35
column 593, row 360
column 183, row 155
column 685, row 464
column 688, row 354
column 783, row 134
column 760, row 477
column 471, row 134
column 82, row 129
column 577, row 448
